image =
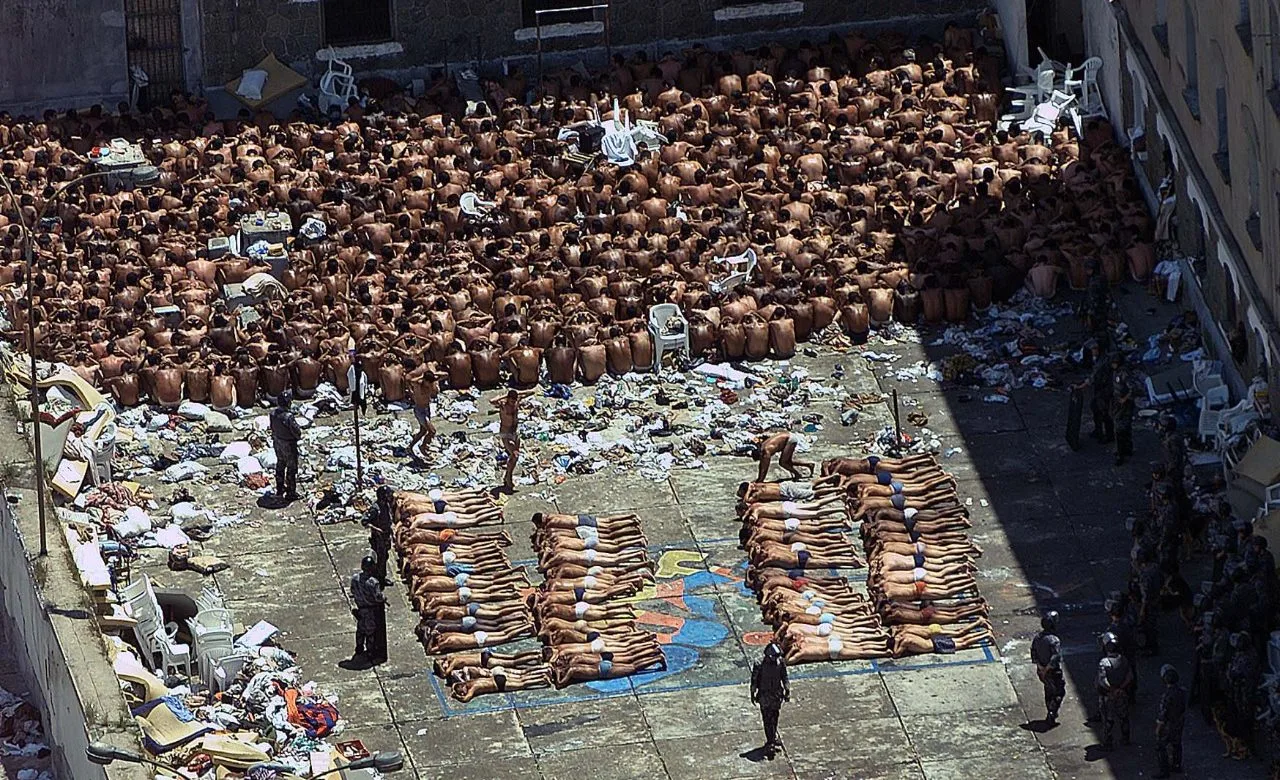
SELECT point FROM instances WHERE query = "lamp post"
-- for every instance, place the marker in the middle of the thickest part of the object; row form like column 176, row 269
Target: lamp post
column 104, row 754
column 29, row 258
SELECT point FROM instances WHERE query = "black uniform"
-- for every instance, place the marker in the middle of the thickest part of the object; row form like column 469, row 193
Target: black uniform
column 1170, row 717
column 285, row 435
column 1115, row 676
column 1046, row 654
column 378, row 521
column 1122, row 408
column 769, row 689
column 371, row 615
column 1151, row 581
column 1101, row 385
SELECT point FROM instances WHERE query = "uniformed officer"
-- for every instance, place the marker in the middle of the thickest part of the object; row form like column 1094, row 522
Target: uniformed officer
column 1150, row 583
column 1115, row 677
column 1170, row 717
column 285, row 435
column 769, row 689
column 1101, row 383
column 1122, row 408
column 1046, row 654
column 1121, row 626
column 1097, row 300
column 378, row 521
column 370, row 612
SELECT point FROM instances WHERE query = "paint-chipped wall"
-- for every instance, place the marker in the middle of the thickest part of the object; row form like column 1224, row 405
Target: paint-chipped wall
column 62, row 53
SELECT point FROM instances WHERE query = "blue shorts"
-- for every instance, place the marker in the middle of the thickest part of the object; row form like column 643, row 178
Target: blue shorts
column 587, row 521
column 421, row 414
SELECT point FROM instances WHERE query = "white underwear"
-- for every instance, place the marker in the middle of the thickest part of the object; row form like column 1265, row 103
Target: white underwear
column 834, row 646
column 589, row 581
column 814, row 610
column 590, row 555
column 789, row 507
column 809, row 594
column 580, row 609
column 590, row 542
column 920, row 547
column 791, row 523
column 909, row 512
column 468, row 623
column 918, row 574
column 597, row 645
column 798, row 547
column 480, row 638
column 450, row 518
column 448, row 556
column 796, row 491
column 586, row 532
column 824, row 629
column 461, row 579
column 464, row 595
column 595, row 570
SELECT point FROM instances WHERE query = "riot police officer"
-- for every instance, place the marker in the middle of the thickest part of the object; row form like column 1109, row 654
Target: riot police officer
column 1046, row 654
column 1101, row 383
column 1122, row 408
column 370, row 612
column 1115, row 677
column 378, row 521
column 285, row 435
column 1170, row 717
column 769, row 689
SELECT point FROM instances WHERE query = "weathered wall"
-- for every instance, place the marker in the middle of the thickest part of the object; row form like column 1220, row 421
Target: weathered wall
column 236, row 35
column 44, row 614
column 62, row 53
column 1013, row 22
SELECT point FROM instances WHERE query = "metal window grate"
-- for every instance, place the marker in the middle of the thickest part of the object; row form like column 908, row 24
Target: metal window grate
column 154, row 43
column 349, row 22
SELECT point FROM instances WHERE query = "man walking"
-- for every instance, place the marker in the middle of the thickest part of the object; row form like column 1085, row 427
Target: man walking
column 769, row 689
column 508, row 408
column 1100, row 384
column 378, row 521
column 1046, row 654
column 1169, row 720
column 370, row 612
column 285, row 435
column 1113, row 682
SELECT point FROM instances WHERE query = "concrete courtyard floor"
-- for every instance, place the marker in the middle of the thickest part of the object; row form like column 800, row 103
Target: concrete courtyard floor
column 1051, row 523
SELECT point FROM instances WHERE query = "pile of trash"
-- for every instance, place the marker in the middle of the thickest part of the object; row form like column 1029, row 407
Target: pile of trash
column 264, row 711
column 1012, row 347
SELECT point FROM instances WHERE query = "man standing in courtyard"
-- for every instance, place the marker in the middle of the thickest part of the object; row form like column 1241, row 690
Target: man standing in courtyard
column 1046, row 654
column 379, row 523
column 508, row 407
column 370, row 612
column 285, row 435
column 769, row 689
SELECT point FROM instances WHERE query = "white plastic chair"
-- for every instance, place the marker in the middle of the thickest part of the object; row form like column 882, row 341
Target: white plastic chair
column 207, row 620
column 669, row 329
column 337, row 86
column 1205, row 375
column 209, row 599
column 221, row 669
column 741, row 267
column 1086, row 87
column 173, row 654
column 472, row 206
column 1046, row 116
column 211, row 648
column 1212, row 405
column 1233, row 423
column 101, row 454
column 1037, row 92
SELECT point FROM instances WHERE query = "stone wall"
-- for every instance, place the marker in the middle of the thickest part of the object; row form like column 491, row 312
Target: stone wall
column 433, row 32
column 62, row 53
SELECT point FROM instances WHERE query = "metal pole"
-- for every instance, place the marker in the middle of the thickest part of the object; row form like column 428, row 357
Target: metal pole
column 29, row 256
column 897, row 426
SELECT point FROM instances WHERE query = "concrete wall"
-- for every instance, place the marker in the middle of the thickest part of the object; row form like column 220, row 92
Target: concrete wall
column 46, row 617
column 1013, row 22
column 1217, row 194
column 1148, row 66
column 62, row 53
column 236, row 35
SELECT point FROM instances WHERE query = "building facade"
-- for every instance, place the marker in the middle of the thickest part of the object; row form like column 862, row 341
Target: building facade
column 1198, row 85
column 199, row 45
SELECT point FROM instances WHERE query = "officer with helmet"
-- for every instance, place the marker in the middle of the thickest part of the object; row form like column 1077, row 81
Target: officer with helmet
column 370, row 612
column 1115, row 678
column 1169, row 721
column 1046, row 654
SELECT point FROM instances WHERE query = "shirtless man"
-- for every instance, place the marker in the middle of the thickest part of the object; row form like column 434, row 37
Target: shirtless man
column 423, row 388
column 784, row 443
column 508, row 408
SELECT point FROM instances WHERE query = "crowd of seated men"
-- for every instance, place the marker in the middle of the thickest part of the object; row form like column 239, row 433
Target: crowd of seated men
column 868, row 176
column 590, row 564
column 920, row 562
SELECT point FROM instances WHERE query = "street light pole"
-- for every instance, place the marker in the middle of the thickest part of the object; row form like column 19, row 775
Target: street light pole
column 29, row 258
